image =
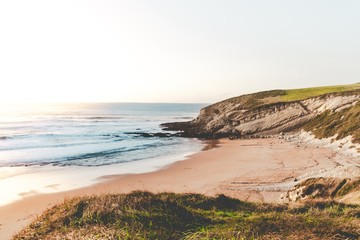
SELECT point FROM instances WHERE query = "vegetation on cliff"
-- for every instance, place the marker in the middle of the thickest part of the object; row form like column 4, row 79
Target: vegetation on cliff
column 303, row 93
column 327, row 189
column 275, row 96
column 342, row 124
column 142, row 215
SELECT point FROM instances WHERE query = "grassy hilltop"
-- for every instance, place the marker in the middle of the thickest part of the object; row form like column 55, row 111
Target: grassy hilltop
column 276, row 96
column 303, row 93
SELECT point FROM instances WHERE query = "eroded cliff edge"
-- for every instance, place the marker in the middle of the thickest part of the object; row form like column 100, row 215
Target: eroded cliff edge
column 265, row 113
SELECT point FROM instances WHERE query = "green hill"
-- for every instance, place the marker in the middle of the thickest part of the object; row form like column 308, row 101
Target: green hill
column 276, row 96
column 278, row 111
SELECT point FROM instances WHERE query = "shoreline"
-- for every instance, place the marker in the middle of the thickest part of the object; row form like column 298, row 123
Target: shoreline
column 21, row 181
column 259, row 170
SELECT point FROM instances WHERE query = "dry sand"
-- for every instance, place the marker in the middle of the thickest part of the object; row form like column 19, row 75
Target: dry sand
column 255, row 170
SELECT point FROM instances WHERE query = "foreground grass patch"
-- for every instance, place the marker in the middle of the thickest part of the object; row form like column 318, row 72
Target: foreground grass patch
column 143, row 215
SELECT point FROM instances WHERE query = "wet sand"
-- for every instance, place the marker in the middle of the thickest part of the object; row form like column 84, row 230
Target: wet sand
column 259, row 170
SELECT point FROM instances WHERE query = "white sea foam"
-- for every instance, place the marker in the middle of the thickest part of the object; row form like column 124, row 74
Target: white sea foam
column 19, row 182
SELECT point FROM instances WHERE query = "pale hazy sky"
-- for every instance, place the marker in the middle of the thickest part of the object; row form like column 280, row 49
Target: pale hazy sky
column 173, row 51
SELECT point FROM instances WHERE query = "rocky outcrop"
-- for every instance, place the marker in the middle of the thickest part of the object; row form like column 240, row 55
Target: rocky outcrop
column 321, row 188
column 259, row 115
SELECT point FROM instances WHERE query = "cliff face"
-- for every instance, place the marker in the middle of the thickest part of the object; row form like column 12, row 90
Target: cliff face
column 261, row 114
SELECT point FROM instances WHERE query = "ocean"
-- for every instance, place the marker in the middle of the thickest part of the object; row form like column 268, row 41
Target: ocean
column 90, row 134
column 59, row 147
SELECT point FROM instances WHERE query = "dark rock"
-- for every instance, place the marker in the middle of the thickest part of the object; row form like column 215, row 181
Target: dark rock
column 150, row 135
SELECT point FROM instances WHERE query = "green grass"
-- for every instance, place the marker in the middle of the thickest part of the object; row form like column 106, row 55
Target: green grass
column 303, row 93
column 252, row 100
column 143, row 215
column 255, row 99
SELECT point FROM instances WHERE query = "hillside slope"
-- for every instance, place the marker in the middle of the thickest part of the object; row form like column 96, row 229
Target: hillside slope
column 274, row 112
column 340, row 123
column 142, row 215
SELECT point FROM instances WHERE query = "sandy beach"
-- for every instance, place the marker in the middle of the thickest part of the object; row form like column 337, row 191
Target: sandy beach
column 259, row 170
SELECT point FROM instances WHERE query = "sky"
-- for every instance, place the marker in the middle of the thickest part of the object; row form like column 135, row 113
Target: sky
column 173, row 50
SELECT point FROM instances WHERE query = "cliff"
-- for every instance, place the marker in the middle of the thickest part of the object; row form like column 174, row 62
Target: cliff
column 269, row 113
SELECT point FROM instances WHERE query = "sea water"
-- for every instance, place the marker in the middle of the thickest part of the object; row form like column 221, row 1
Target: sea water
column 90, row 134
column 58, row 147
